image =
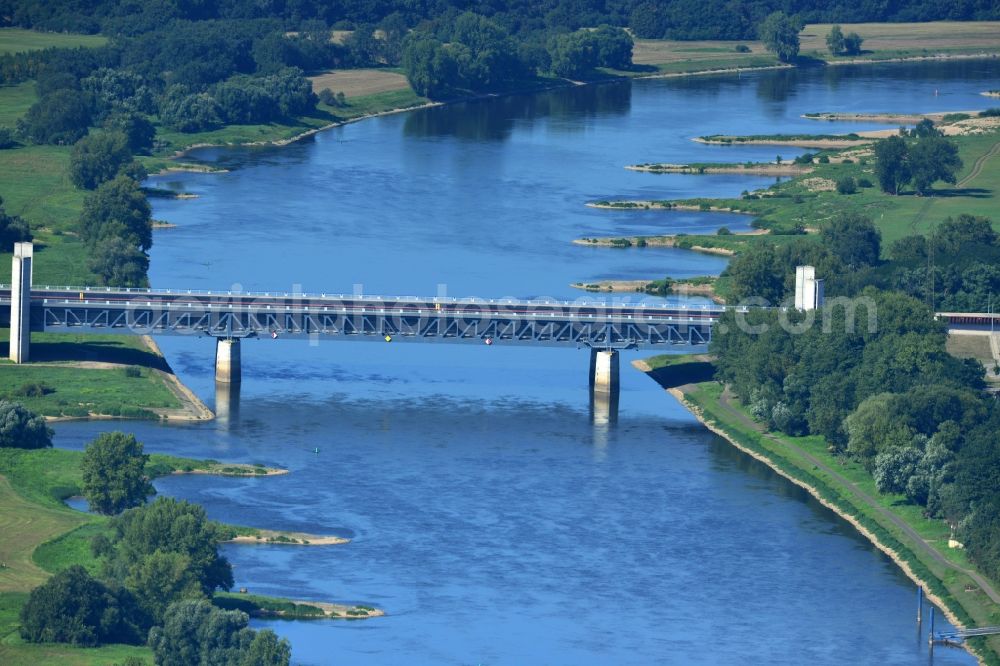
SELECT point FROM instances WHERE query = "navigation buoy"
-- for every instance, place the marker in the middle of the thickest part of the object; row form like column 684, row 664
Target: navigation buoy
column 388, row 338
column 316, row 450
column 274, row 335
column 488, row 341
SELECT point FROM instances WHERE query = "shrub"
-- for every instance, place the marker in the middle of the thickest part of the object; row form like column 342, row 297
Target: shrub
column 989, row 113
column 133, row 371
column 7, row 139
column 742, row 48
column 805, row 158
column 847, row 185
column 21, row 428
column 864, row 182
column 824, row 159
column 723, row 231
column 34, row 390
column 955, row 117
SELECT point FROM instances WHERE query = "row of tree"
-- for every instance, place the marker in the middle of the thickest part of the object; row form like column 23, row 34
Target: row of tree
column 477, row 55
column 874, row 378
column 676, row 19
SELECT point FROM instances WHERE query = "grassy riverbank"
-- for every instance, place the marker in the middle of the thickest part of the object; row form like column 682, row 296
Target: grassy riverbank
column 75, row 375
column 918, row 544
column 43, row 536
column 801, row 204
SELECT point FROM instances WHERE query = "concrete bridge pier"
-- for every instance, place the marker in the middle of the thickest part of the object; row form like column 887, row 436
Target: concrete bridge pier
column 227, row 403
column 20, row 302
column 604, row 371
column 227, row 361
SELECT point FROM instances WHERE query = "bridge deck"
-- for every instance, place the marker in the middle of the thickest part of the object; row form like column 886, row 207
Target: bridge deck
column 584, row 322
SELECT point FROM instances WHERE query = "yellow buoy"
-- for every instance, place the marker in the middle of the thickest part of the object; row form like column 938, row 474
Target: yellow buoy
column 388, row 338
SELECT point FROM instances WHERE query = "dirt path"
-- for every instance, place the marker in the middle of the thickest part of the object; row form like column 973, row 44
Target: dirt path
column 977, row 168
column 726, row 403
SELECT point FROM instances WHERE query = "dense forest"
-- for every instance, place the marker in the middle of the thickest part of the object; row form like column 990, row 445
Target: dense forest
column 677, row 19
column 872, row 374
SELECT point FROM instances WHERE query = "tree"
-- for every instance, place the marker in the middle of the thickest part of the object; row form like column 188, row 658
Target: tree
column 648, row 21
column 835, row 40
column 138, row 130
column 118, row 263
column 61, row 117
column 780, row 34
column 8, row 139
column 118, row 208
column 873, row 428
column 170, row 526
column 892, row 164
column 853, row 239
column 190, row 112
column 97, row 158
column 852, row 43
column 931, row 159
column 114, row 476
column 72, row 607
column 894, row 467
column 21, row 428
column 430, row 68
column 755, row 273
column 614, row 47
column 925, row 128
column 196, row 633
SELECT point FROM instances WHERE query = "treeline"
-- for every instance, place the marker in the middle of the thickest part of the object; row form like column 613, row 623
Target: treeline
column 152, row 573
column 677, row 19
column 873, row 377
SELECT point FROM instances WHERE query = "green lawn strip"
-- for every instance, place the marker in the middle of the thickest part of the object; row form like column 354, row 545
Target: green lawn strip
column 79, row 391
column 18, row 40
column 971, row 607
column 695, row 65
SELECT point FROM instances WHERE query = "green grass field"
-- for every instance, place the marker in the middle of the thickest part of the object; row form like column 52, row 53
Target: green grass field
column 97, row 389
column 786, row 453
column 17, row 40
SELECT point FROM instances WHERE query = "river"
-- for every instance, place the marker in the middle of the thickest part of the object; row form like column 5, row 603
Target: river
column 491, row 518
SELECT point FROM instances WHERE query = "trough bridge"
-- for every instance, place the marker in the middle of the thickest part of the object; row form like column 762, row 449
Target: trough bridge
column 231, row 316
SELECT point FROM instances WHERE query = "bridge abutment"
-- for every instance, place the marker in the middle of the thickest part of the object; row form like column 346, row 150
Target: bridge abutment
column 20, row 302
column 227, row 361
column 604, row 371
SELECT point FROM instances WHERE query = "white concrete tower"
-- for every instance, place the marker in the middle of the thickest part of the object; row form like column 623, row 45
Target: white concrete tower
column 20, row 302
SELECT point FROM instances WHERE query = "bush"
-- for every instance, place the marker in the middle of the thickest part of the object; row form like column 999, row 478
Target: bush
column 865, row 183
column 723, row 231
column 21, row 428
column 989, row 113
column 34, row 390
column 742, row 48
column 824, row 159
column 805, row 158
column 133, row 371
column 847, row 185
column 7, row 139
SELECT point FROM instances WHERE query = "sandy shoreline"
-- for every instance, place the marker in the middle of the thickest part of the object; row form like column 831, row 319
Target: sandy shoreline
column 794, row 143
column 755, row 169
column 893, row 555
column 638, row 286
column 282, row 538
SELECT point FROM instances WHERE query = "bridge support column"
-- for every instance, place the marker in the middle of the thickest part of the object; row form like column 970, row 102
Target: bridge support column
column 604, row 371
column 20, row 302
column 227, row 360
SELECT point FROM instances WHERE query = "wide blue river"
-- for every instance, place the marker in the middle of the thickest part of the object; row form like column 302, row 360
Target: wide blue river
column 491, row 518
